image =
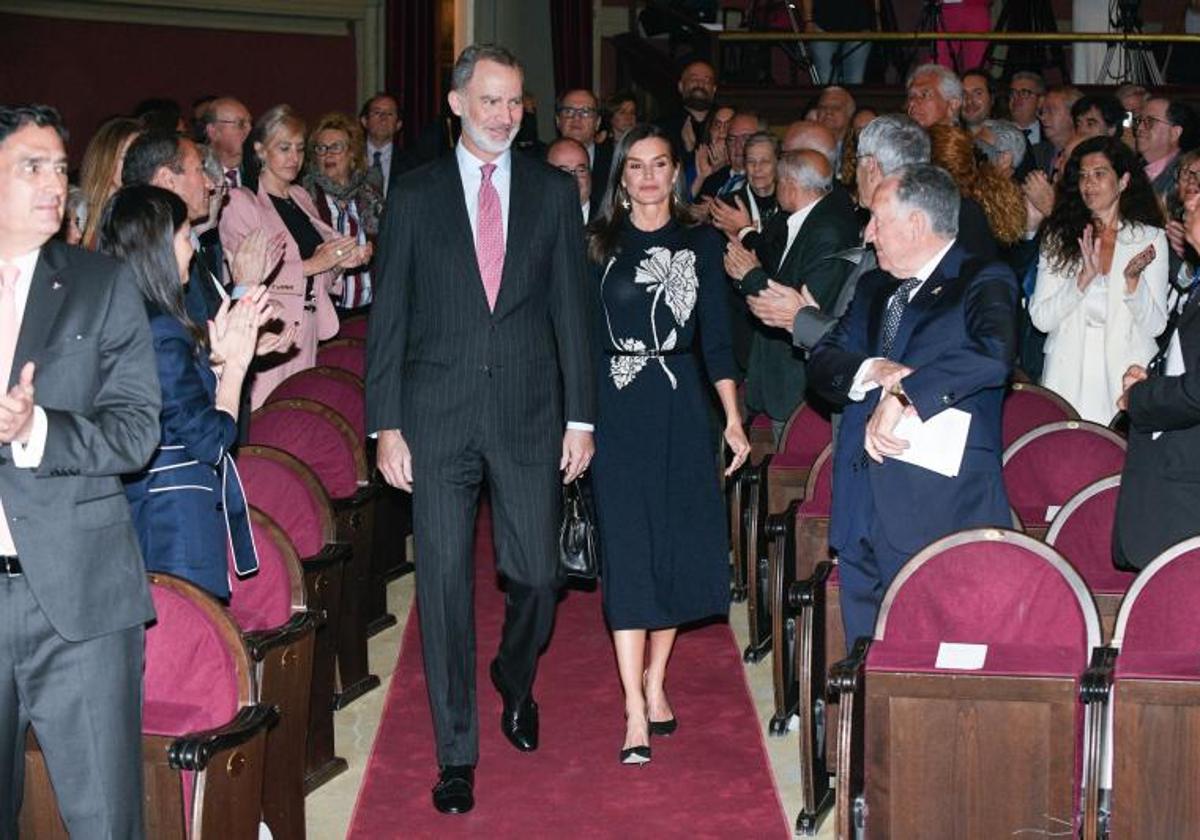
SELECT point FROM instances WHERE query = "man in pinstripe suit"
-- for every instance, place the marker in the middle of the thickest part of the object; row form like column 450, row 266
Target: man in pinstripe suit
column 479, row 368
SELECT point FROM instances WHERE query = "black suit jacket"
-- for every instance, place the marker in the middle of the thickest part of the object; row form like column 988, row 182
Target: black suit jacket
column 439, row 362
column 85, row 329
column 601, row 170
column 1159, row 501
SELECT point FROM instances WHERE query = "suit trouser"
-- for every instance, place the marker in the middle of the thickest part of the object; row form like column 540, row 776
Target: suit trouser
column 84, row 701
column 866, row 569
column 526, row 501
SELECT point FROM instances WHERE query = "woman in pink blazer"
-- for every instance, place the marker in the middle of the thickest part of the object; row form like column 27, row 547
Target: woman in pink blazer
column 314, row 254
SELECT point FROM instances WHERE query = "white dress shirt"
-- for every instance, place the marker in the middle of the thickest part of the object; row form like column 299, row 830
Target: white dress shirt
column 470, row 171
column 863, row 386
column 28, row 455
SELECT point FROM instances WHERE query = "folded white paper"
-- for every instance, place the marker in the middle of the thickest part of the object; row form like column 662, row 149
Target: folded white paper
column 937, row 444
column 961, row 656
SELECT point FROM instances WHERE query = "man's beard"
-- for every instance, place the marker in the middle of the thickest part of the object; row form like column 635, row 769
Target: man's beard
column 484, row 140
column 698, row 99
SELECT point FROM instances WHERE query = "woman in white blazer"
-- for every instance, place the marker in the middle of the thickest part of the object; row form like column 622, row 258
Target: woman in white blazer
column 1101, row 289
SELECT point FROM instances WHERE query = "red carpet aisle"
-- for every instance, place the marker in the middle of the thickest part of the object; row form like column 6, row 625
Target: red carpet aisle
column 710, row 780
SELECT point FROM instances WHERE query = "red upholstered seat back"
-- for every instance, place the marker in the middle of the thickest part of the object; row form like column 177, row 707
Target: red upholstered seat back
column 988, row 587
column 1048, row 465
column 1028, row 406
column 191, row 681
column 266, row 600
column 806, row 435
column 318, row 437
column 1082, row 532
column 331, row 387
column 1159, row 615
column 818, row 493
column 354, row 327
column 760, row 421
column 287, row 491
column 345, row 353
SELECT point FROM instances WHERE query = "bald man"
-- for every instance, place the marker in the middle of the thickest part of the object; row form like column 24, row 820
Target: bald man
column 817, row 227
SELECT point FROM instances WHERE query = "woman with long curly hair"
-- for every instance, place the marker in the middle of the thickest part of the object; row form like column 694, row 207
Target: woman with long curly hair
column 953, row 149
column 1106, row 220
column 100, row 172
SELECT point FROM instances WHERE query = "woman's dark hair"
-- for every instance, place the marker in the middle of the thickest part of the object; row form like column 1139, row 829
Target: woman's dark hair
column 139, row 226
column 1065, row 224
column 605, row 230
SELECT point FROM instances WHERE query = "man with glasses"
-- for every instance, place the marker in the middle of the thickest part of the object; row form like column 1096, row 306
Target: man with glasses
column 570, row 156
column 835, row 110
column 226, row 126
column 380, row 118
column 1162, row 129
column 577, row 116
column 1025, row 93
column 732, row 177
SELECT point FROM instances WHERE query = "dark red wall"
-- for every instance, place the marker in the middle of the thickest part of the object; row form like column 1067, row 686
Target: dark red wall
column 91, row 71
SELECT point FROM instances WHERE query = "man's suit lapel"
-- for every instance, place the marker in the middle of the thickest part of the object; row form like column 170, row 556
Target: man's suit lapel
column 926, row 298
column 457, row 224
column 522, row 213
column 46, row 295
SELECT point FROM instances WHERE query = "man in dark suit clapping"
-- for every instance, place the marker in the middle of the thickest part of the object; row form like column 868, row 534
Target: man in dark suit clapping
column 933, row 329
column 479, row 369
column 80, row 408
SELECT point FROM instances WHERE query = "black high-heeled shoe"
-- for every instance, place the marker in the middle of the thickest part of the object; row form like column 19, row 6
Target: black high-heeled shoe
column 663, row 728
column 635, row 755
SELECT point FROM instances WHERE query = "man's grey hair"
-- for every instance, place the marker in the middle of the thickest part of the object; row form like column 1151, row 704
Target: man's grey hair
column 949, row 84
column 851, row 105
column 762, row 138
column 1030, row 76
column 931, row 190
column 894, row 140
column 1008, row 138
column 464, row 67
column 797, row 167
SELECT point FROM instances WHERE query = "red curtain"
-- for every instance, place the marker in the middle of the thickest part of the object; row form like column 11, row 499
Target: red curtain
column 412, row 68
column 571, row 29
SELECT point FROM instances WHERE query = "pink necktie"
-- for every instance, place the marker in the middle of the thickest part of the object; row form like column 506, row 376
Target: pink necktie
column 489, row 236
column 10, row 324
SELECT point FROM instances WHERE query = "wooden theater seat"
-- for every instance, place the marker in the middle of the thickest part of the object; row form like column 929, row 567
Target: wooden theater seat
column 934, row 745
column 1027, row 406
column 353, row 327
column 346, row 353
column 271, row 609
column 292, row 496
column 322, row 439
column 203, row 729
column 1082, row 532
column 742, row 488
column 1048, row 465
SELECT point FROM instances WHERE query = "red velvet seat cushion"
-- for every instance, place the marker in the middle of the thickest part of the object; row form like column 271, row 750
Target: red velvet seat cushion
column 314, row 440
column 1163, row 618
column 190, row 682
column 1051, row 468
column 1171, row 665
column 262, row 601
column 808, row 434
column 1005, row 659
column 344, row 397
column 351, row 357
column 282, row 495
column 1025, row 410
column 1085, row 539
column 988, row 592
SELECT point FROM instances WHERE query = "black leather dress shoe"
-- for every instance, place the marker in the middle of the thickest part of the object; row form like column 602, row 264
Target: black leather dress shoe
column 454, row 792
column 518, row 721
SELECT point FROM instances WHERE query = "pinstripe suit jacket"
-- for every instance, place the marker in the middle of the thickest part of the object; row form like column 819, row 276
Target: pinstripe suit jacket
column 440, row 365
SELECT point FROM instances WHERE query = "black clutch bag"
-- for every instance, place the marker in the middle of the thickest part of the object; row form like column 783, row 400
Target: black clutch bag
column 578, row 538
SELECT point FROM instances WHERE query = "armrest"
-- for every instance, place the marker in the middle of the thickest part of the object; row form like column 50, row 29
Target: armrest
column 362, row 495
column 261, row 642
column 194, row 750
column 846, row 676
column 1096, row 682
column 329, row 555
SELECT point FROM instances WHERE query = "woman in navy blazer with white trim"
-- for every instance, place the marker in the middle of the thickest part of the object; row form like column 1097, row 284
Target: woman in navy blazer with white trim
column 187, row 503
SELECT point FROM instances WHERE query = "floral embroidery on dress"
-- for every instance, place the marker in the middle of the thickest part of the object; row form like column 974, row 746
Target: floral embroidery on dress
column 667, row 276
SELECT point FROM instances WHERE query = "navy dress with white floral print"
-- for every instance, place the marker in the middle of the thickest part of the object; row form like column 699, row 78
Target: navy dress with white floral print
column 663, row 339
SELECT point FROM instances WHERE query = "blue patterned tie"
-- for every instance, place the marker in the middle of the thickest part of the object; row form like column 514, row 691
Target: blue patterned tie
column 895, row 311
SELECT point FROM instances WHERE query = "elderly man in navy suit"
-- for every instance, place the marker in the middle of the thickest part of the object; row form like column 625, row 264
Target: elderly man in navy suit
column 933, row 328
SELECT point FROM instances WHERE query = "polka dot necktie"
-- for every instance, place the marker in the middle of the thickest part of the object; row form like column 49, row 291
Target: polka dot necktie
column 489, row 236
column 895, row 311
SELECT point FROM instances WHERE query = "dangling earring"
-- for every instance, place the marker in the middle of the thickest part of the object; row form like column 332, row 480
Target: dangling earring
column 624, row 200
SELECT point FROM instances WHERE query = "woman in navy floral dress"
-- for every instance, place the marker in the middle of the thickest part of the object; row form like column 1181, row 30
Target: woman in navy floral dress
column 664, row 342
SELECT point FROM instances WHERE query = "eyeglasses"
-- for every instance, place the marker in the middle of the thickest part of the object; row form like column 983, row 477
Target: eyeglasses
column 1022, row 93
column 569, row 112
column 374, row 113
column 329, row 148
column 1148, row 122
column 1189, row 176
column 577, row 171
column 240, row 123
